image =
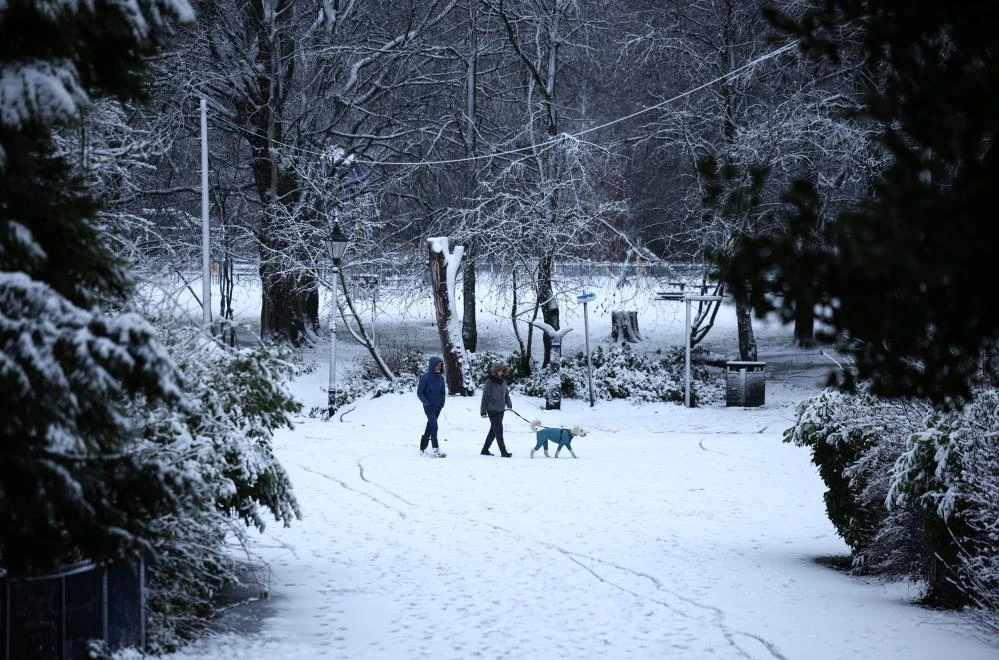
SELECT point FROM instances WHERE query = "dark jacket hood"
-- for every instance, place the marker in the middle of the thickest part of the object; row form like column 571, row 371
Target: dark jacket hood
column 432, row 365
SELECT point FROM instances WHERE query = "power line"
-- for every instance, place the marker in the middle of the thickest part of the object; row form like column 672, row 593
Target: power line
column 551, row 141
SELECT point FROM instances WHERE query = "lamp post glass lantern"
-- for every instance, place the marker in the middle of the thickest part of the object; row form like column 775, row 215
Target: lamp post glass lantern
column 336, row 245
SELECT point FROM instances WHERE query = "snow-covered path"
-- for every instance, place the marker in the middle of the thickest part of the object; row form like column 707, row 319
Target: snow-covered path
column 678, row 533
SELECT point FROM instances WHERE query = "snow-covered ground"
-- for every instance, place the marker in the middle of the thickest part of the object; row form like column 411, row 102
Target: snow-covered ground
column 677, row 533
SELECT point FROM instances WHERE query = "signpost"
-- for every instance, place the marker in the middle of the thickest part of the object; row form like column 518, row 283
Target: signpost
column 585, row 298
column 688, row 298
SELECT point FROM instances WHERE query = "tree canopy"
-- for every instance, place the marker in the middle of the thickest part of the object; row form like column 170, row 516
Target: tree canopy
column 904, row 274
column 73, row 363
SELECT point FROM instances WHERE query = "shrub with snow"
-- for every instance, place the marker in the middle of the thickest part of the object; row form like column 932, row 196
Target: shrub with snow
column 950, row 472
column 912, row 489
column 621, row 373
column 224, row 445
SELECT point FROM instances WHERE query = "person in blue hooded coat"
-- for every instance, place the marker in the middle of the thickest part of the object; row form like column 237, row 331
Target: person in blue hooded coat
column 432, row 392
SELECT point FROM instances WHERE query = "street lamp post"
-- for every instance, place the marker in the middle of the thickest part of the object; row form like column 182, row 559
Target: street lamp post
column 587, row 298
column 687, row 298
column 336, row 245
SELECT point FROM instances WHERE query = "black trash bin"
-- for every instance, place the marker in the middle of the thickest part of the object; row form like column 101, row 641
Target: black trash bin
column 746, row 383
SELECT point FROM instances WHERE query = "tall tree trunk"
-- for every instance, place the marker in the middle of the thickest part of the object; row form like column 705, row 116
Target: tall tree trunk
column 743, row 312
column 289, row 309
column 469, row 330
column 744, row 325
column 548, row 302
column 804, row 322
column 450, row 350
column 290, row 297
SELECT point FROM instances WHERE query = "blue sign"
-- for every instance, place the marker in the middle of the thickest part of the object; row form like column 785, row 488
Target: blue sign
column 586, row 297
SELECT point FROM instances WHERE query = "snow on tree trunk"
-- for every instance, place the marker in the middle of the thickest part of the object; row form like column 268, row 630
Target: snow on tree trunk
column 443, row 274
column 547, row 300
column 553, row 384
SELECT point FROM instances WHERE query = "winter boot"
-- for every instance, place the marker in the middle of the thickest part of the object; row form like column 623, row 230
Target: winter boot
column 438, row 453
column 423, row 443
column 486, row 452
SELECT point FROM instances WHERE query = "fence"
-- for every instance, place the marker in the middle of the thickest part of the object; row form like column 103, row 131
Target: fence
column 58, row 616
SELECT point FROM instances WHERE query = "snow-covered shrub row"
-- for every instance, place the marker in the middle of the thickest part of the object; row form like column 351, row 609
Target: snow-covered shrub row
column 223, row 443
column 405, row 361
column 912, row 490
column 621, row 373
column 850, row 436
column 618, row 373
column 950, row 471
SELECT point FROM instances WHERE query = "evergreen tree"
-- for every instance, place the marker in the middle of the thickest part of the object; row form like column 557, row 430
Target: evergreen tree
column 72, row 361
column 907, row 276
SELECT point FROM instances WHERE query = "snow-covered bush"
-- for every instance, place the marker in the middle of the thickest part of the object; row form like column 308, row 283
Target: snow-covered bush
column 480, row 364
column 950, row 473
column 621, row 373
column 400, row 356
column 977, row 567
column 618, row 373
column 912, row 489
column 825, row 424
column 855, row 439
column 224, row 444
column 366, row 379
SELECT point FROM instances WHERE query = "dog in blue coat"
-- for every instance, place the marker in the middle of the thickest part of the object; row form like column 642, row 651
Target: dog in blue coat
column 563, row 437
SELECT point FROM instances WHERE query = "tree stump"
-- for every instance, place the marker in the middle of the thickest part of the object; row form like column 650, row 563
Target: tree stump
column 624, row 327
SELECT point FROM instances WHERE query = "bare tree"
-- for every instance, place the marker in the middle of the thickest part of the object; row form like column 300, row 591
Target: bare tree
column 542, row 198
column 293, row 83
column 740, row 117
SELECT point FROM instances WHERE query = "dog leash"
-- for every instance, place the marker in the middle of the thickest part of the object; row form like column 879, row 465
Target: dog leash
column 521, row 416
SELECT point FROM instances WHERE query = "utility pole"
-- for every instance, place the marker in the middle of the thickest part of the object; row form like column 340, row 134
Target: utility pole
column 206, row 256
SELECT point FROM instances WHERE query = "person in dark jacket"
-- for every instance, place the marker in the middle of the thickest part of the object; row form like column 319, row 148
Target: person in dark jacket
column 495, row 400
column 432, row 392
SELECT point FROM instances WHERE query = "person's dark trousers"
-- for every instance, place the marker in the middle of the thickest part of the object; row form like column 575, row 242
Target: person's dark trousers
column 495, row 431
column 430, row 433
